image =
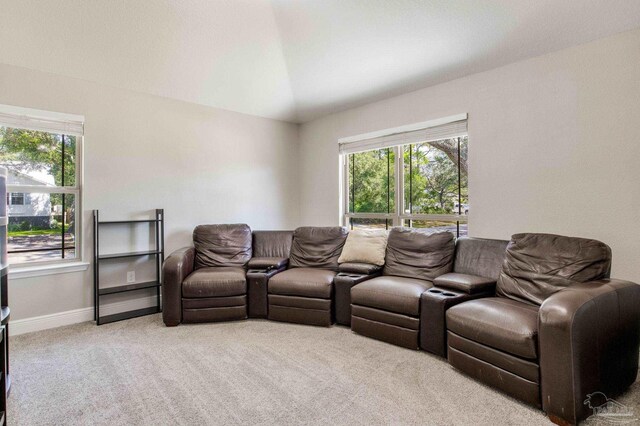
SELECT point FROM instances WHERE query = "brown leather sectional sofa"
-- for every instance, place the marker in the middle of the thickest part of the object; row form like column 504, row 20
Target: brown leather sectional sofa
column 536, row 317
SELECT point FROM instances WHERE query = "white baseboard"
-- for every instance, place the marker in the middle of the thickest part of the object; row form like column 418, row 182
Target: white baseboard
column 44, row 322
column 75, row 316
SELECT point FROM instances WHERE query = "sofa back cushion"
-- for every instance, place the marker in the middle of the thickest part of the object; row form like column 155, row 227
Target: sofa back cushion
column 222, row 245
column 417, row 253
column 538, row 265
column 317, row 247
column 365, row 246
column 272, row 243
column 480, row 257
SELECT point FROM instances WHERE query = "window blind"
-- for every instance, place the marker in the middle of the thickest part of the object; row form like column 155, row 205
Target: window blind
column 412, row 134
column 44, row 121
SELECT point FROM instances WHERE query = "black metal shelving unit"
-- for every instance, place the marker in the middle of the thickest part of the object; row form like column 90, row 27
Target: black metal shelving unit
column 157, row 252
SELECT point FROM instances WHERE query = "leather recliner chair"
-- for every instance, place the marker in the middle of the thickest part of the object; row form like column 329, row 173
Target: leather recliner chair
column 304, row 292
column 207, row 282
column 387, row 308
column 557, row 329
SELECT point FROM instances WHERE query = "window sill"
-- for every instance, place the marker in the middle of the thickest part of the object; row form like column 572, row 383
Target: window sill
column 40, row 270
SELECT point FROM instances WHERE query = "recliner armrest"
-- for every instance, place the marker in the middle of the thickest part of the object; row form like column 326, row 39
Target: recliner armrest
column 344, row 281
column 175, row 269
column 359, row 268
column 268, row 263
column 469, row 284
column 257, row 295
column 588, row 337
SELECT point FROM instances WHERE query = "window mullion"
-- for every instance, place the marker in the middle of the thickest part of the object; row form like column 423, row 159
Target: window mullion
column 353, row 183
column 410, row 180
column 344, row 164
column 388, row 181
column 62, row 158
column 459, row 192
column 64, row 196
column 399, row 184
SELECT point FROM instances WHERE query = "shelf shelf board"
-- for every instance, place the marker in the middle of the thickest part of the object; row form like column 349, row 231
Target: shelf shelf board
column 121, row 222
column 129, row 254
column 5, row 313
column 128, row 287
column 128, row 314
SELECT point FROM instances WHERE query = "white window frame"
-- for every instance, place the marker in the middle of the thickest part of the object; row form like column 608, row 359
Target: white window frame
column 404, row 135
column 10, row 198
column 57, row 123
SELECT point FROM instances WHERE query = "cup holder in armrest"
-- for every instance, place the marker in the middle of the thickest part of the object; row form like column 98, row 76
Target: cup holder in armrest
column 441, row 293
column 257, row 271
column 349, row 275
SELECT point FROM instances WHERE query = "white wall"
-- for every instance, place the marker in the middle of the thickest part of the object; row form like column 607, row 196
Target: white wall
column 202, row 165
column 553, row 146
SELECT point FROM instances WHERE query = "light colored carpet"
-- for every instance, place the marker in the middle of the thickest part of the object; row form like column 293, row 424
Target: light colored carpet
column 247, row 372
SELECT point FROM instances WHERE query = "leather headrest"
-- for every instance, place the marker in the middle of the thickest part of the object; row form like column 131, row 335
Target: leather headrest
column 317, row 246
column 222, row 245
column 538, row 265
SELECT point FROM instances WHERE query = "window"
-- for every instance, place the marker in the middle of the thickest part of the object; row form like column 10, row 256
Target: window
column 41, row 155
column 15, row 199
column 372, row 187
column 413, row 177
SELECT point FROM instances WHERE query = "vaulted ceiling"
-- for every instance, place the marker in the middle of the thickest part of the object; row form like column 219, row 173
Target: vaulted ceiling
column 293, row 60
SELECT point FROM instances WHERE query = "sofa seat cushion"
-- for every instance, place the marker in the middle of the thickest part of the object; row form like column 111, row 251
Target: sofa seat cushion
column 215, row 282
column 395, row 294
column 497, row 322
column 305, row 282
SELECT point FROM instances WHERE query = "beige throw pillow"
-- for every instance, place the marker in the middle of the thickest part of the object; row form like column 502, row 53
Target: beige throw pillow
column 365, row 246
